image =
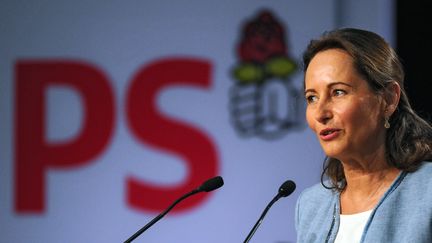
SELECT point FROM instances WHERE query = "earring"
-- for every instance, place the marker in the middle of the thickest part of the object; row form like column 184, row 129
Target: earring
column 386, row 123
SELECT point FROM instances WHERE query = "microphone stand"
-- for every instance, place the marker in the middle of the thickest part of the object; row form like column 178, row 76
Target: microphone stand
column 261, row 218
column 157, row 218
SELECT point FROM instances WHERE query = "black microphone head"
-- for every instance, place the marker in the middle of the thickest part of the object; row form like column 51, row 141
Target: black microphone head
column 211, row 184
column 286, row 188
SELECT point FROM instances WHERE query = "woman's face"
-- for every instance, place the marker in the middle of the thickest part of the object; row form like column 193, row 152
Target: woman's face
column 344, row 113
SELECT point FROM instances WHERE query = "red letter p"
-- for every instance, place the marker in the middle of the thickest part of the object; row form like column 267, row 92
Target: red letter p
column 33, row 154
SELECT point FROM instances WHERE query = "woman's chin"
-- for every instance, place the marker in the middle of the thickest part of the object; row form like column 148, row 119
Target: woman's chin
column 333, row 153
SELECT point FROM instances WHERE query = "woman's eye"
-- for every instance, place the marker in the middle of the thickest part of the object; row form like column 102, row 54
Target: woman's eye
column 339, row 92
column 311, row 99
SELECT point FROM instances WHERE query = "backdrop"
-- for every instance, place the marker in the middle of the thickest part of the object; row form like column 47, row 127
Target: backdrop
column 111, row 110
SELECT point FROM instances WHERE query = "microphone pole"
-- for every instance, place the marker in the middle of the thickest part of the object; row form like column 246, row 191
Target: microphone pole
column 207, row 186
column 284, row 190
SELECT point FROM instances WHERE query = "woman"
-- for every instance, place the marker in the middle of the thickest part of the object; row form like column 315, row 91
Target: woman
column 379, row 186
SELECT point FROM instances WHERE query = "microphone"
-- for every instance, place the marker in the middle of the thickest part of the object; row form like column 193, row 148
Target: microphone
column 207, row 186
column 211, row 184
column 284, row 190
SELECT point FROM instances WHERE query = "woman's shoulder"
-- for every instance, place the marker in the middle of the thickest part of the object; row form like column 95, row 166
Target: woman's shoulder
column 419, row 181
column 424, row 172
column 426, row 166
column 316, row 193
column 314, row 206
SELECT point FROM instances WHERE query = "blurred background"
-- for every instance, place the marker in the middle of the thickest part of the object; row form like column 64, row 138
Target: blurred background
column 111, row 110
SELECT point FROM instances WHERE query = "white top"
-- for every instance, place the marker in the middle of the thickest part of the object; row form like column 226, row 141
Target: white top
column 351, row 227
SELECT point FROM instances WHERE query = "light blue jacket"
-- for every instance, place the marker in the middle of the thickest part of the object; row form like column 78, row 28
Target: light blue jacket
column 404, row 213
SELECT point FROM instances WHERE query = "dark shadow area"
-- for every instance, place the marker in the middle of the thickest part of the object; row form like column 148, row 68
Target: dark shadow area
column 414, row 46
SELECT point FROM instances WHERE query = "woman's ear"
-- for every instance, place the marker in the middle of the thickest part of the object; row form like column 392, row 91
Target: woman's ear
column 392, row 96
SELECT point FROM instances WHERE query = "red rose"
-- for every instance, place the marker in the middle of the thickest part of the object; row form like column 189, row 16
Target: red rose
column 263, row 38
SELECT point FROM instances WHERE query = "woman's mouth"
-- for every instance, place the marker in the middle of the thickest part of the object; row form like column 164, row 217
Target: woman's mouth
column 329, row 134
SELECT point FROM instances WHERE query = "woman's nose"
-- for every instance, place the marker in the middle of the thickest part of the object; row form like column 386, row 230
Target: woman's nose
column 323, row 112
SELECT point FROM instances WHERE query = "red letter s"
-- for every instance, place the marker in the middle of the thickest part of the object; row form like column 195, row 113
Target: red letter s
column 151, row 127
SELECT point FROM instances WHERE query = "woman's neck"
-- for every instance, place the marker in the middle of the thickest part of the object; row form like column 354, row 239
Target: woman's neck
column 366, row 182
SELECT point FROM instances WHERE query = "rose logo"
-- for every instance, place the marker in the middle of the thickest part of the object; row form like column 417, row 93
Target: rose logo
column 263, row 101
